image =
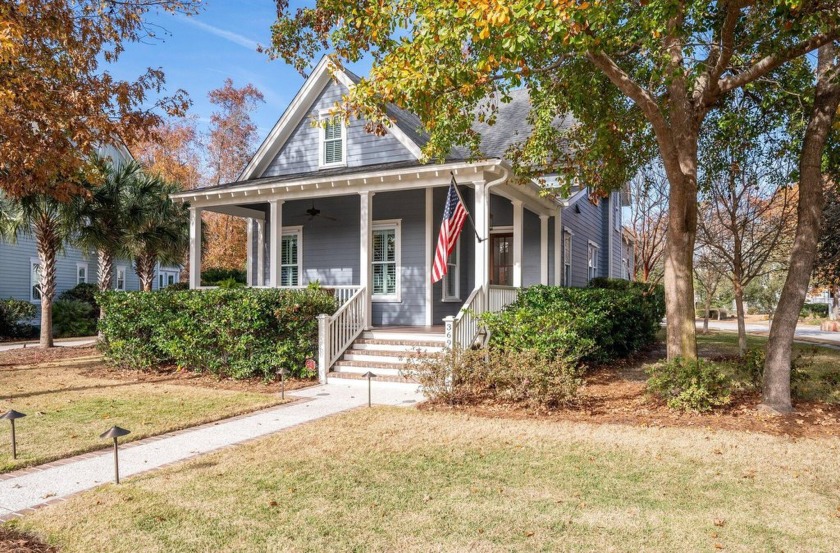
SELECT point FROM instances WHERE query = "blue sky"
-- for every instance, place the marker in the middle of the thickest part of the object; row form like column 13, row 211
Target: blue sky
column 197, row 53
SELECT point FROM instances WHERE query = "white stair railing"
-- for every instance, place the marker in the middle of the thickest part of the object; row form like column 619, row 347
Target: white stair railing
column 337, row 331
column 463, row 330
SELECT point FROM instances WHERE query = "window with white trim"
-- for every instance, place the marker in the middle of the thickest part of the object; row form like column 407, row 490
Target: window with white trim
column 34, row 280
column 385, row 265
column 593, row 260
column 625, row 266
column 120, row 280
column 167, row 278
column 567, row 258
column 452, row 278
column 333, row 144
column 81, row 273
column 290, row 257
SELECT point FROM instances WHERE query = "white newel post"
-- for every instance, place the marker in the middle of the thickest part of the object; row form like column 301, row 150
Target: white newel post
column 517, row 243
column 558, row 244
column 543, row 249
column 275, row 242
column 449, row 324
column 365, row 223
column 260, row 253
column 323, row 347
column 482, row 231
column 195, row 247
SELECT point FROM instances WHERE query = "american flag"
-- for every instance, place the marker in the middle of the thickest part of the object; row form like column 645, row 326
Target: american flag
column 454, row 215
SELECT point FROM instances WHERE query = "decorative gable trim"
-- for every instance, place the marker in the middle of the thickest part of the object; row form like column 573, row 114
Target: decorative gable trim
column 325, row 71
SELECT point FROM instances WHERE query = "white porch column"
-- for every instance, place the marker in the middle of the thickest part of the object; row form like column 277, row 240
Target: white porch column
column 249, row 251
column 558, row 245
column 365, row 252
column 482, row 249
column 276, row 240
column 543, row 249
column 260, row 280
column 195, row 247
column 517, row 243
column 429, row 247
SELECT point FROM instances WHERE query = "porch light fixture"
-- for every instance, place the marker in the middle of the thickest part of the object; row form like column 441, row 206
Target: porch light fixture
column 369, row 375
column 282, row 372
column 115, row 432
column 11, row 416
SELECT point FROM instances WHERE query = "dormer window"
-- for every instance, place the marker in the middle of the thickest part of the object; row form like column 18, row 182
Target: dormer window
column 333, row 144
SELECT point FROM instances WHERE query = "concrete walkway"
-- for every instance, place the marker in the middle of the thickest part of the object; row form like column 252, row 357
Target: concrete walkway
column 23, row 490
column 63, row 342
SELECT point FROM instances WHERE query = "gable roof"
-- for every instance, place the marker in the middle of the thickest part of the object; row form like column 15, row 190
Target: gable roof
column 404, row 129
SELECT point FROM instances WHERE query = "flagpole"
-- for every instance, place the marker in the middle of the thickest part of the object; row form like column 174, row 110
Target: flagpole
column 460, row 197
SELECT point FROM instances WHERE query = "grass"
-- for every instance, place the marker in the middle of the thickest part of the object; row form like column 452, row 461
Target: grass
column 67, row 409
column 819, row 367
column 391, row 479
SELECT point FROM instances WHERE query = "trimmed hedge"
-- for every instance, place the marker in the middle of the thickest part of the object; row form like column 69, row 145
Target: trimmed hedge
column 237, row 333
column 215, row 275
column 588, row 324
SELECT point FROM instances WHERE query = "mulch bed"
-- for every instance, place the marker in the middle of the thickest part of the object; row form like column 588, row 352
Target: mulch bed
column 172, row 375
column 616, row 395
column 12, row 541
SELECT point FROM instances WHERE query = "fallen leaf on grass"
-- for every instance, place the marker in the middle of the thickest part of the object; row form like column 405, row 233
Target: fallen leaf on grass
column 719, row 522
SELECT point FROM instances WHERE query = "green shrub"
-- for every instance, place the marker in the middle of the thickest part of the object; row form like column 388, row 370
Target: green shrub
column 73, row 318
column 13, row 313
column 512, row 377
column 750, row 368
column 213, row 276
column 589, row 324
column 84, row 292
column 689, row 385
column 814, row 310
column 238, row 333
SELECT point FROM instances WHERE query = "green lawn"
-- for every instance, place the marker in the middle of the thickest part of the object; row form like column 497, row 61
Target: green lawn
column 819, row 366
column 390, row 479
column 68, row 409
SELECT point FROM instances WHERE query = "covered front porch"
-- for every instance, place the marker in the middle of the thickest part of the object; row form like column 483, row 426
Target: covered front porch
column 371, row 236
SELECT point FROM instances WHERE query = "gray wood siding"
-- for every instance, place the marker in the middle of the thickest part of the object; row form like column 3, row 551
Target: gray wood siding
column 15, row 269
column 585, row 226
column 300, row 153
column 530, row 248
column 408, row 206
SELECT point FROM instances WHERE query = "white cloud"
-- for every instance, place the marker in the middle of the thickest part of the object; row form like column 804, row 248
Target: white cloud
column 225, row 34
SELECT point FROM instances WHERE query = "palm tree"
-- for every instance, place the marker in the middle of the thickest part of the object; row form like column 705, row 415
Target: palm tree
column 104, row 217
column 51, row 223
column 158, row 231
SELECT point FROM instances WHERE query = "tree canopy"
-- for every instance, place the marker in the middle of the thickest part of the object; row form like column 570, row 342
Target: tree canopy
column 58, row 103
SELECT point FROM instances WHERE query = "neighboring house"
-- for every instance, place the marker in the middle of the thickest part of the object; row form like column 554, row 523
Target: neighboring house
column 327, row 202
column 19, row 264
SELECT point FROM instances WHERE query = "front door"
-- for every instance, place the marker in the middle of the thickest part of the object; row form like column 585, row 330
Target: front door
column 501, row 259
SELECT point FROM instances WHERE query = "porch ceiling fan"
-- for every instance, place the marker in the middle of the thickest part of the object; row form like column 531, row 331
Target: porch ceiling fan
column 313, row 212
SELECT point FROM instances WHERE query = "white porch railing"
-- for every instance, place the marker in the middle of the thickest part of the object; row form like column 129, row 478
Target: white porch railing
column 463, row 330
column 336, row 332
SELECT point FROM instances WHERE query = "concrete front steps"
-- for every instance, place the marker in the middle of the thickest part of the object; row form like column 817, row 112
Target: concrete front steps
column 385, row 354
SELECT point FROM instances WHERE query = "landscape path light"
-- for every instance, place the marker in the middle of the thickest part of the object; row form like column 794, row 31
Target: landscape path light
column 282, row 373
column 115, row 432
column 11, row 416
column 369, row 375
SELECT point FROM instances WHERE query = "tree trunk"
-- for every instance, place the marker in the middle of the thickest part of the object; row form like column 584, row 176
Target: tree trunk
column 742, row 326
column 105, row 269
column 145, row 269
column 834, row 310
column 707, row 307
column 776, row 392
column 47, row 241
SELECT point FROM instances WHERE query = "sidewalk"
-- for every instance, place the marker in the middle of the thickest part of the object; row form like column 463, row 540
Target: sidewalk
column 61, row 342
column 805, row 333
column 24, row 490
